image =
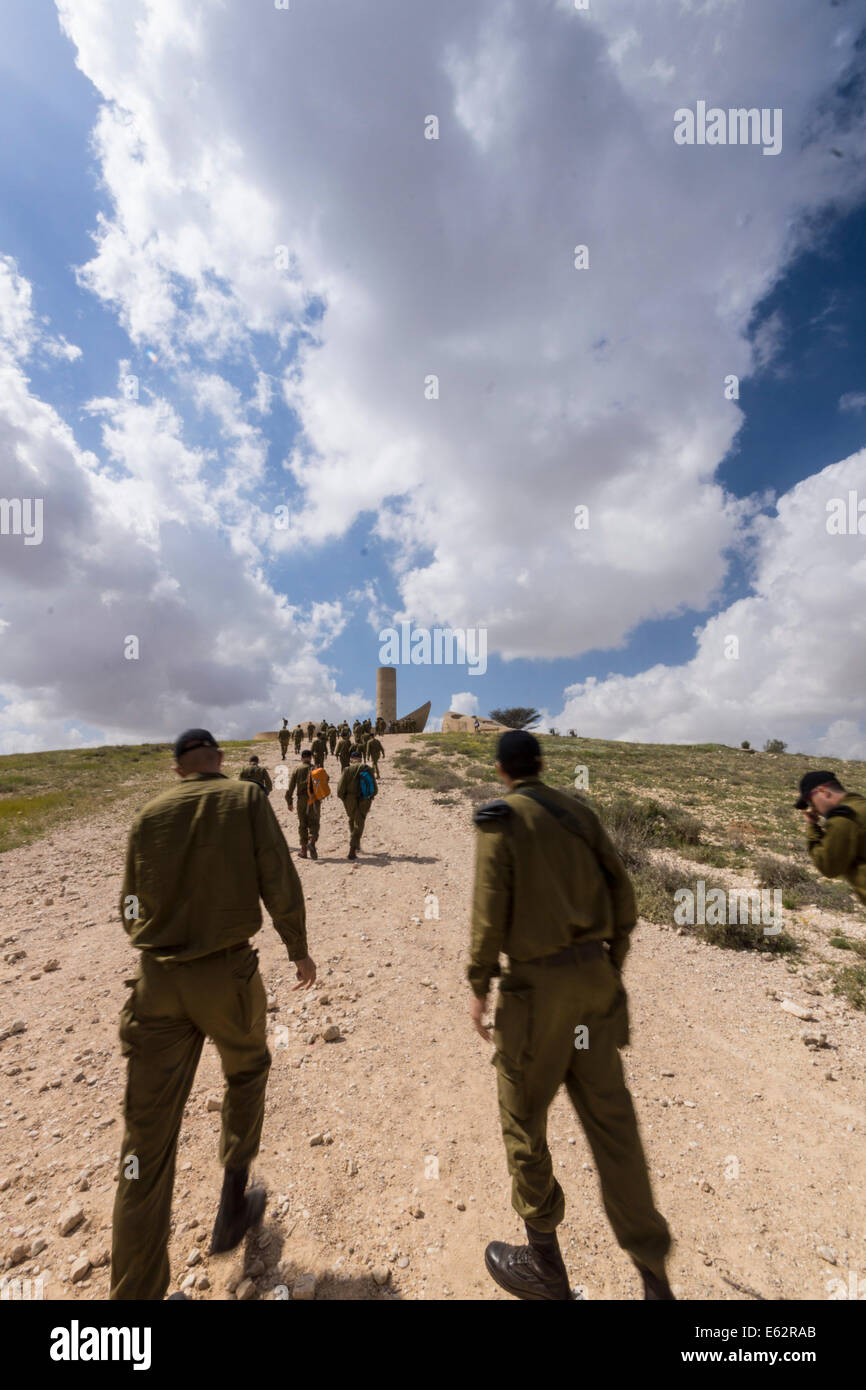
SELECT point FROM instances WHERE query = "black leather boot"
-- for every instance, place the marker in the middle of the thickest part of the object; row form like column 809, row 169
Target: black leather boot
column 236, row 1212
column 532, row 1272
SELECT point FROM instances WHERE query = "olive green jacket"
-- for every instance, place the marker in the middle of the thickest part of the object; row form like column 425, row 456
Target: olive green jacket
column 299, row 783
column 199, row 857
column 838, row 847
column 250, row 772
column 349, row 791
column 538, row 887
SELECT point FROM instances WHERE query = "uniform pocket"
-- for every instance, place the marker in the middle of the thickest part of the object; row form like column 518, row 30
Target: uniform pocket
column 512, row 1025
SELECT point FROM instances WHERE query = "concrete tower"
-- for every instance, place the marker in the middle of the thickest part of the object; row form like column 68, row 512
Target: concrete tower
column 386, row 693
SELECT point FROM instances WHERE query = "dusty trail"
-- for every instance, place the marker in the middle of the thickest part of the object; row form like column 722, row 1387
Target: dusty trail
column 757, row 1157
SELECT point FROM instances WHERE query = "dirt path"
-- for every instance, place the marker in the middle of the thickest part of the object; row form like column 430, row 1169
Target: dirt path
column 757, row 1157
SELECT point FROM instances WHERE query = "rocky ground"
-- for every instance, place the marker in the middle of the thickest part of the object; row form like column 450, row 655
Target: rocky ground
column 381, row 1151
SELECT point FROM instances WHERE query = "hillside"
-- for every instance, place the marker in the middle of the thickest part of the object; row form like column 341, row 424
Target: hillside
column 381, row 1152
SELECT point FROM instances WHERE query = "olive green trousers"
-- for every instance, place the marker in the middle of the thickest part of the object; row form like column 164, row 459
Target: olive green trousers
column 357, row 814
column 563, row 1025
column 170, row 1012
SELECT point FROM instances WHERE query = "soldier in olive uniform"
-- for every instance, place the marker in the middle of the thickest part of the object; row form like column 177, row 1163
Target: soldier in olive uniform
column 332, row 737
column 199, row 858
column 319, row 749
column 343, row 749
column 838, row 847
column 298, row 737
column 311, row 729
column 252, row 772
column 374, row 751
column 284, row 737
column 552, row 894
column 356, row 805
column 309, row 812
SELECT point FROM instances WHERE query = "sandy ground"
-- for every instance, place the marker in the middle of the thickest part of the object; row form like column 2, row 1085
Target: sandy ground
column 755, row 1141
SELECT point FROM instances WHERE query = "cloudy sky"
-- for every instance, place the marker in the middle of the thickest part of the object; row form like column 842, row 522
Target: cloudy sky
column 295, row 344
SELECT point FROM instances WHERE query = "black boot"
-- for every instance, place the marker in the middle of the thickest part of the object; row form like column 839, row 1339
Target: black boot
column 532, row 1272
column 313, row 851
column 236, row 1212
column 351, row 854
column 655, row 1287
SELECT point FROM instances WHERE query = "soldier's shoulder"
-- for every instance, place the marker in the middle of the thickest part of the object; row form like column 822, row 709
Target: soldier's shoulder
column 848, row 809
column 493, row 815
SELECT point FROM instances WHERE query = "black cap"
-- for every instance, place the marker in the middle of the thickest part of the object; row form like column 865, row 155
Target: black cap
column 354, row 753
column 307, row 753
column 808, row 783
column 193, row 738
column 519, row 744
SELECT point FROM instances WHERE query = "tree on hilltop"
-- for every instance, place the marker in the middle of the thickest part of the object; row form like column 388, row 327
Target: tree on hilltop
column 516, row 718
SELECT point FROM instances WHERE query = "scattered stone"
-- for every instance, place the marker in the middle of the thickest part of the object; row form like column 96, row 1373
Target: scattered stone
column 814, row 1040
column 102, row 1259
column 202, row 1282
column 706, row 1187
column 304, row 1288
column 18, row 1252
column 193, row 1258
column 798, row 1011
column 461, row 1206
column 70, row 1218
column 51, row 965
column 827, row 1253
column 189, row 1281
column 668, row 1073
column 416, row 1212
column 80, row 1269
column 403, row 1263
column 214, row 1103
column 381, row 1276
column 331, row 1033
column 246, row 1291
column 30, row 1199
column 234, row 1280
column 39, row 1244
column 316, row 1139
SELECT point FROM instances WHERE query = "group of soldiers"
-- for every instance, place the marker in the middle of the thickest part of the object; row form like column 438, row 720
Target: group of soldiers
column 355, row 749
column 553, row 910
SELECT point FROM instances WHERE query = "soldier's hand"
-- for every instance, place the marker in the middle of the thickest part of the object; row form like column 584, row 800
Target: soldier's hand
column 811, row 815
column 477, row 1012
column 306, row 973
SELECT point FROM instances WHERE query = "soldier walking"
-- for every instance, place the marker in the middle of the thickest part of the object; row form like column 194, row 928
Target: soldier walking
column 298, row 738
column 284, row 737
column 252, row 772
column 374, row 751
column 319, row 749
column 838, row 847
column 552, row 894
column 332, row 737
column 356, row 795
column 309, row 811
column 343, row 749
column 199, row 858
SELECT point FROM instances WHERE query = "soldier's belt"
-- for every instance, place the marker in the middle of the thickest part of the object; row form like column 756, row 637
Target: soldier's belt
column 578, row 951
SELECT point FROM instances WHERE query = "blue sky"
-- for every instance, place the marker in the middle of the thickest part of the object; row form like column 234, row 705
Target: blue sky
column 142, row 216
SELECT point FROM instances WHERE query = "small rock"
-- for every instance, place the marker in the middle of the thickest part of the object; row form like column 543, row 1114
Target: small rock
column 316, row 1139
column 706, row 1187
column 255, row 1269
column 18, row 1253
column 416, row 1212
column 246, row 1291
column 814, row 1040
column 51, row 965
column 39, row 1244
column 214, row 1103
column 403, row 1263
column 80, row 1269
column 827, row 1253
column 102, row 1259
column 797, row 1010
column 30, row 1199
column 70, row 1219
column 381, row 1276
column 332, row 1033
column 234, row 1280
column 193, row 1258
column 668, row 1073
column 189, row 1281
column 461, row 1206
column 202, row 1282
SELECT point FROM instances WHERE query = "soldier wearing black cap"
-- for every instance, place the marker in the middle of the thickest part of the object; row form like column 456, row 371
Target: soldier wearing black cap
column 199, row 858
column 252, row 772
column 552, row 894
column 838, row 846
